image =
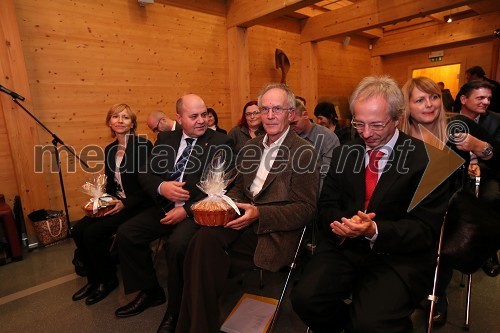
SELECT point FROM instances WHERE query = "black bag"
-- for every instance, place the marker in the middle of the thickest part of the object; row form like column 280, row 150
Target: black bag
column 471, row 232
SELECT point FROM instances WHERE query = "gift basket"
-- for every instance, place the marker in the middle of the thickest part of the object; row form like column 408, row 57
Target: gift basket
column 100, row 202
column 216, row 209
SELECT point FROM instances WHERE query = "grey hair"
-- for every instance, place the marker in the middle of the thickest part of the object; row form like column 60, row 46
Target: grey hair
column 383, row 86
column 290, row 99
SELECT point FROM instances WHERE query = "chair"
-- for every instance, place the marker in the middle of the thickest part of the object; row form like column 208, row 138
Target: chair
column 433, row 298
column 243, row 262
column 292, row 267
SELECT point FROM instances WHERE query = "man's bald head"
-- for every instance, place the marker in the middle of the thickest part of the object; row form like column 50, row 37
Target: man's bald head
column 192, row 115
column 159, row 122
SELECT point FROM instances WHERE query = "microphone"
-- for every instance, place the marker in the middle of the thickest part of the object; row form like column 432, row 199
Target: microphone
column 11, row 93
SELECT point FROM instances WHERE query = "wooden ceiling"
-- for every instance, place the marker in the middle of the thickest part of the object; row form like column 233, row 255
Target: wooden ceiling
column 392, row 25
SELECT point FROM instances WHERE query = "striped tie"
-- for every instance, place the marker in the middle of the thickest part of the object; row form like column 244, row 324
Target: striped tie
column 181, row 162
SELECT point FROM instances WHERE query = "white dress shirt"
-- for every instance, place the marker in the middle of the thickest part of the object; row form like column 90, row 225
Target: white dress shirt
column 266, row 162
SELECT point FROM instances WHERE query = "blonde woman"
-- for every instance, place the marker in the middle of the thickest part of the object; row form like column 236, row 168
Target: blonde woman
column 424, row 118
column 92, row 236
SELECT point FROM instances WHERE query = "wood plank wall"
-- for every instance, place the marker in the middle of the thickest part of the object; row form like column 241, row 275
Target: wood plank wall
column 341, row 67
column 479, row 53
column 8, row 183
column 83, row 56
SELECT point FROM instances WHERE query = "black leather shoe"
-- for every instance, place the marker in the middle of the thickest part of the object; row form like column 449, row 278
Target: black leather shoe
column 491, row 268
column 168, row 324
column 140, row 303
column 84, row 292
column 100, row 293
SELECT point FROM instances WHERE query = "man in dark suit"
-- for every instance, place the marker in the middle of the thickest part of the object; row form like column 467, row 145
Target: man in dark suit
column 376, row 249
column 174, row 168
column 475, row 99
column 277, row 189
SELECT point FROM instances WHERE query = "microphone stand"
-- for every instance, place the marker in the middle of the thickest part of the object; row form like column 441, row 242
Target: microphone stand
column 55, row 141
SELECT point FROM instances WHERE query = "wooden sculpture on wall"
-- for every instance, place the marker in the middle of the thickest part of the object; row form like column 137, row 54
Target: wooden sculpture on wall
column 282, row 63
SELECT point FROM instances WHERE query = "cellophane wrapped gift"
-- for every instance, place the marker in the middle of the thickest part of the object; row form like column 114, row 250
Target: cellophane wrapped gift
column 217, row 208
column 99, row 202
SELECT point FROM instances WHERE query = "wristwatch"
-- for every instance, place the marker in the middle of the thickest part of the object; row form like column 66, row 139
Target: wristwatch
column 487, row 151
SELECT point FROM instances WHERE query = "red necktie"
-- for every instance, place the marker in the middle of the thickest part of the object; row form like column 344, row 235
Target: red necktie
column 371, row 174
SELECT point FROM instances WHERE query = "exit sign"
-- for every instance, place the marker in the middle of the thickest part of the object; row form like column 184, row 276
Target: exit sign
column 436, row 56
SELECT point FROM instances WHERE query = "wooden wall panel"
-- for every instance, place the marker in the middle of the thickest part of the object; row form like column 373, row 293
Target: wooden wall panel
column 341, row 67
column 399, row 66
column 8, row 183
column 20, row 129
column 111, row 53
column 263, row 42
column 84, row 56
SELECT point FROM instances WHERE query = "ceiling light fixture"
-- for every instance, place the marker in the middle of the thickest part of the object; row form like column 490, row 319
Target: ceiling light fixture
column 449, row 20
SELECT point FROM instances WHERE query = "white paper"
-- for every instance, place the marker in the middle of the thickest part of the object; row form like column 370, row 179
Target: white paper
column 251, row 316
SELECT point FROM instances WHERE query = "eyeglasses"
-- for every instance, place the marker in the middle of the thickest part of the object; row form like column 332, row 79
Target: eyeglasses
column 250, row 114
column 373, row 126
column 155, row 130
column 277, row 109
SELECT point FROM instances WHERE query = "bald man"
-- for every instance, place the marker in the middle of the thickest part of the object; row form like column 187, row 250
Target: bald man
column 159, row 122
column 174, row 189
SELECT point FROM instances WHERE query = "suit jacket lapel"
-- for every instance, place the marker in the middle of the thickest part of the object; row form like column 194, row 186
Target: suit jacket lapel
column 199, row 152
column 353, row 168
column 175, row 144
column 127, row 161
column 200, row 147
column 111, row 158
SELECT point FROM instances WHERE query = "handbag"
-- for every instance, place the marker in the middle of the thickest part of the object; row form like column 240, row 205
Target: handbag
column 471, row 234
column 51, row 230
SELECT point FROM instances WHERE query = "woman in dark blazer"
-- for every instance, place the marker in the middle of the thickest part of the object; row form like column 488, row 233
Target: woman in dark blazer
column 124, row 159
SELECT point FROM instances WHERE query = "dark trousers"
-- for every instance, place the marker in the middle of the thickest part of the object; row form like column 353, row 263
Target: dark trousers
column 381, row 302
column 92, row 237
column 134, row 237
column 214, row 254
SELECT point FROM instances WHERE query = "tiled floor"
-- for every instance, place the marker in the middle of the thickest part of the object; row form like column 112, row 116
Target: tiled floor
column 35, row 296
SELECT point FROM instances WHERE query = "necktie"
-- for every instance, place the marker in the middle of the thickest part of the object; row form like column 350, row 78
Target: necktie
column 181, row 162
column 371, row 174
